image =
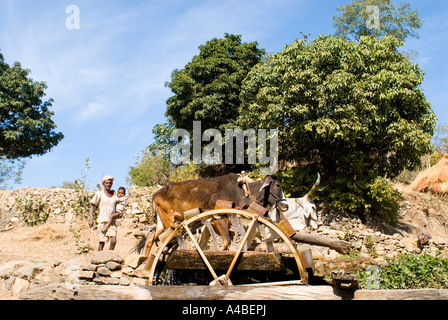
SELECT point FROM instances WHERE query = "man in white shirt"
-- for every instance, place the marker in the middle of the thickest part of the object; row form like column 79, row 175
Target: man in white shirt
column 106, row 201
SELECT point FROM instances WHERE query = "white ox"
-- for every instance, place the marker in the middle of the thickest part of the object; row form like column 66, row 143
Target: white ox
column 301, row 213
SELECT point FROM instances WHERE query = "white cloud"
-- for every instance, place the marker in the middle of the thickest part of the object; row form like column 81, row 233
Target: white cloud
column 94, row 111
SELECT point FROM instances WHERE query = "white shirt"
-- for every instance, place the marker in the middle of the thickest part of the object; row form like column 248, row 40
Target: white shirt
column 106, row 205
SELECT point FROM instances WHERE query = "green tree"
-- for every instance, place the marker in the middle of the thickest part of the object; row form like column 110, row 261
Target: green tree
column 153, row 164
column 26, row 125
column 10, row 171
column 376, row 18
column 208, row 87
column 351, row 111
column 440, row 138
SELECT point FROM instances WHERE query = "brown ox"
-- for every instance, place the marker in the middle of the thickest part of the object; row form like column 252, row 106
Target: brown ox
column 172, row 201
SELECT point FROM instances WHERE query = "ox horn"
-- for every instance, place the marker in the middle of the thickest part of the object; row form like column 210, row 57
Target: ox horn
column 266, row 183
column 313, row 190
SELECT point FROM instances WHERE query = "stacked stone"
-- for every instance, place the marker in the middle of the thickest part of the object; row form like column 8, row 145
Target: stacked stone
column 60, row 203
column 18, row 275
column 140, row 202
column 384, row 244
column 108, row 268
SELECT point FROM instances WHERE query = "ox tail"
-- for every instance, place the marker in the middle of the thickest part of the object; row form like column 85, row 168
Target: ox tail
column 313, row 190
column 141, row 244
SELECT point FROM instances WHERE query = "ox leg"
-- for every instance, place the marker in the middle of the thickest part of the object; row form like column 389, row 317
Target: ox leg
column 150, row 242
column 222, row 226
column 207, row 233
column 205, row 236
column 251, row 236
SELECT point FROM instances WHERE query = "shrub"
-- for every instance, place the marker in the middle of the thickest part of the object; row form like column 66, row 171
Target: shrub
column 365, row 197
column 33, row 210
column 409, row 271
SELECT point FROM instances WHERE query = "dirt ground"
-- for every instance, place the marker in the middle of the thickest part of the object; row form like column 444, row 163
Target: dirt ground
column 52, row 242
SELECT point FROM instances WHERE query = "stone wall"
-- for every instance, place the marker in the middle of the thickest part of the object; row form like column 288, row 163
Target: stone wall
column 105, row 268
column 62, row 203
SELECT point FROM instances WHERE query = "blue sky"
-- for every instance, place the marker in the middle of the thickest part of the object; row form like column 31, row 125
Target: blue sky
column 107, row 77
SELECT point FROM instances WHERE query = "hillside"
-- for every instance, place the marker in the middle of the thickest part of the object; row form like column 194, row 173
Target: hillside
column 66, row 237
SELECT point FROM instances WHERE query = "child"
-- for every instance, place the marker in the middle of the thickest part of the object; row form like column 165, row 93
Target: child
column 121, row 204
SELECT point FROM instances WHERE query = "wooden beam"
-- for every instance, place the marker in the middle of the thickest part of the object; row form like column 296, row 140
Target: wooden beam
column 342, row 247
column 96, row 292
column 221, row 260
column 282, row 292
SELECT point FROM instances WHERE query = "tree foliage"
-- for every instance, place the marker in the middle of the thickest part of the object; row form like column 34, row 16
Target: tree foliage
column 153, row 164
column 10, row 172
column 377, row 18
column 352, row 111
column 26, row 125
column 208, row 87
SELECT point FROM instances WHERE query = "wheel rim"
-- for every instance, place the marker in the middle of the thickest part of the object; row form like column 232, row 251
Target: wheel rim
column 248, row 215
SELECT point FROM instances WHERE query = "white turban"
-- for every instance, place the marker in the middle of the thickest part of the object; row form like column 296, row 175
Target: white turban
column 107, row 178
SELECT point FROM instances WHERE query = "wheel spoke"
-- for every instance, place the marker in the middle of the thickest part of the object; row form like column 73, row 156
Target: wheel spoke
column 240, row 248
column 198, row 248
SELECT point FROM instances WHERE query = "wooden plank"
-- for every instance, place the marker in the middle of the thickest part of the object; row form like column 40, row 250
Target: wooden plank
column 268, row 292
column 408, row 294
column 221, row 260
column 96, row 292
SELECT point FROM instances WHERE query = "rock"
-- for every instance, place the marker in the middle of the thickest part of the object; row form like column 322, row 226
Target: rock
column 139, row 272
column 102, row 257
column 8, row 268
column 409, row 243
column 28, row 272
column 112, row 265
column 88, row 267
column 84, row 274
column 397, row 236
column 106, row 280
column 19, row 286
column 103, row 271
column 116, row 274
column 142, row 218
column 124, row 281
column 139, row 281
column 134, row 260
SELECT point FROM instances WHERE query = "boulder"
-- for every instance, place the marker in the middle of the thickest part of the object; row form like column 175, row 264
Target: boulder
column 102, row 257
column 134, row 260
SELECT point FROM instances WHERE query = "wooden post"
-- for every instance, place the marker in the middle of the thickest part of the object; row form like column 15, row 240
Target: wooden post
column 342, row 247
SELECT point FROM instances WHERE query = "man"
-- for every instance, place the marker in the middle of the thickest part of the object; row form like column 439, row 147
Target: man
column 106, row 201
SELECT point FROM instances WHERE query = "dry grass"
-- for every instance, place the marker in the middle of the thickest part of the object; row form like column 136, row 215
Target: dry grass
column 49, row 232
column 434, row 179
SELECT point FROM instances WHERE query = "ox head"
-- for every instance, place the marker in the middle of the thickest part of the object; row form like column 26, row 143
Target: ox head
column 271, row 192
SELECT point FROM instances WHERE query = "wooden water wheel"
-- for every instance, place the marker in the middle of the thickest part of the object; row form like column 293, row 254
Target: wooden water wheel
column 187, row 247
